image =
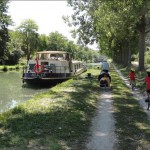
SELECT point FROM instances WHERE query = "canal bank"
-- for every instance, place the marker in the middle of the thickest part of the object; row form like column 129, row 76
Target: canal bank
column 61, row 118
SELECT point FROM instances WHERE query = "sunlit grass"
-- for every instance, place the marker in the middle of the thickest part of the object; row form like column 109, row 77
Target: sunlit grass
column 61, row 115
column 131, row 120
column 60, row 118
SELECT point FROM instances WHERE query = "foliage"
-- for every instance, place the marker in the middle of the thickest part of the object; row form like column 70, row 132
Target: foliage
column 15, row 42
column 5, row 68
column 5, row 21
column 42, row 42
column 147, row 57
column 134, row 58
column 25, row 38
column 116, row 25
column 14, row 56
column 28, row 30
column 54, row 38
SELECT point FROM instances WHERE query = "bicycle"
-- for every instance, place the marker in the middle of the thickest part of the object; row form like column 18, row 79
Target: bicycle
column 148, row 101
column 132, row 83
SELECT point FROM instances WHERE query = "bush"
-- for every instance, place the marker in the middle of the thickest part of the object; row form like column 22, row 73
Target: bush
column 148, row 60
column 14, row 56
column 5, row 68
column 17, row 67
column 133, row 57
column 10, row 69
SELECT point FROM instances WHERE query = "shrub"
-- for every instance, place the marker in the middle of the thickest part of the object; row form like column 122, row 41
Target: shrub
column 17, row 67
column 5, row 68
column 14, row 56
column 147, row 59
column 133, row 57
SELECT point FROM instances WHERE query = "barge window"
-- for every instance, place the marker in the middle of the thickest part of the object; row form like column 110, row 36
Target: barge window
column 44, row 63
column 31, row 66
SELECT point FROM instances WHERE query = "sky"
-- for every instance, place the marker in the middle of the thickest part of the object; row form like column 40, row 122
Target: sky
column 47, row 14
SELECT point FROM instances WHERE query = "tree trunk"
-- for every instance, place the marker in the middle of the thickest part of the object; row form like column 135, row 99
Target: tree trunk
column 141, row 50
column 129, row 57
column 142, row 27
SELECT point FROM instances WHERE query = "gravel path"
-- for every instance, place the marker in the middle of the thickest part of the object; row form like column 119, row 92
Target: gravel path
column 103, row 125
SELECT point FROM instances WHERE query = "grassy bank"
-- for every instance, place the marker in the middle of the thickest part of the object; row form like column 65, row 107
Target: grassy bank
column 132, row 126
column 58, row 119
column 10, row 68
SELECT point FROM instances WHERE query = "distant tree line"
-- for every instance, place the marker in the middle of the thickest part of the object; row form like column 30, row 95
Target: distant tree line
column 25, row 41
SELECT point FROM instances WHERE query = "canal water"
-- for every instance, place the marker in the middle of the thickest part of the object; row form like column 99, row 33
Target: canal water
column 13, row 91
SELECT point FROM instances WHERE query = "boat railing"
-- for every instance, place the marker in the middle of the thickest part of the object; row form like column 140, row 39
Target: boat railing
column 48, row 69
column 56, row 69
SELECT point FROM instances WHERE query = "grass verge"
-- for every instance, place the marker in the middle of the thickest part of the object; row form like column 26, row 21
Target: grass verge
column 132, row 126
column 10, row 68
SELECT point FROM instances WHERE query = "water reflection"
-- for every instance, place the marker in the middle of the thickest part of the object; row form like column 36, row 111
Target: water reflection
column 13, row 91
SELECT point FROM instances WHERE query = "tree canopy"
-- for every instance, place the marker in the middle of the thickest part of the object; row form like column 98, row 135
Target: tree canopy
column 5, row 21
column 28, row 30
column 117, row 26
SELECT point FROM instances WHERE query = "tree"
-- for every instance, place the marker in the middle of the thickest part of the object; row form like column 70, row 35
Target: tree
column 14, row 52
column 28, row 30
column 43, row 42
column 115, row 25
column 15, row 42
column 57, row 41
column 4, row 22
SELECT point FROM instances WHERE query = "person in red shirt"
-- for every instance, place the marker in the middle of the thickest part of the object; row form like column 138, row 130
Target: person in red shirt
column 147, row 81
column 132, row 76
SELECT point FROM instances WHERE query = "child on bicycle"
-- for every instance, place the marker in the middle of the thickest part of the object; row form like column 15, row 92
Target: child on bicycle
column 147, row 81
column 132, row 76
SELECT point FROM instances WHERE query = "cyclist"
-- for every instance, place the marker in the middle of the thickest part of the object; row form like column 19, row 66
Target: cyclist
column 105, row 66
column 132, row 76
column 147, row 81
column 105, row 79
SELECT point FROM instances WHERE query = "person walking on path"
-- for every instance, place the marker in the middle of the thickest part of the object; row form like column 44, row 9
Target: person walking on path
column 105, row 66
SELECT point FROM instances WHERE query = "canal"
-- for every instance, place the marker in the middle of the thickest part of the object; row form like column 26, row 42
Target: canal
column 13, row 91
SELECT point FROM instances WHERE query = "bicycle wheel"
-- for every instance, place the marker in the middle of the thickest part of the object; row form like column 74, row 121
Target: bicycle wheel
column 148, row 103
column 132, row 85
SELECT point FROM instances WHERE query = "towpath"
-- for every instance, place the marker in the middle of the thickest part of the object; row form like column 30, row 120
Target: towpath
column 102, row 131
column 103, row 125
